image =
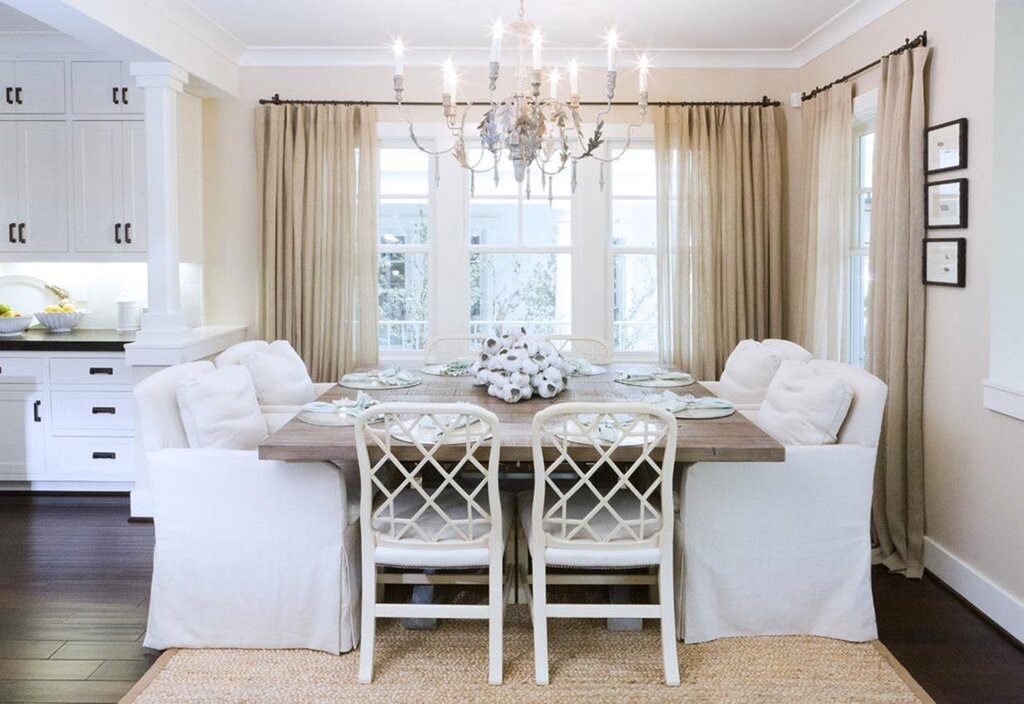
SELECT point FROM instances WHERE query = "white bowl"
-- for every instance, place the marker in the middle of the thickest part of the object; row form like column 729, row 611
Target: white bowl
column 9, row 327
column 61, row 322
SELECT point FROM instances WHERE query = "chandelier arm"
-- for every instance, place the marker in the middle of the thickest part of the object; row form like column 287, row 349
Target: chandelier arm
column 415, row 140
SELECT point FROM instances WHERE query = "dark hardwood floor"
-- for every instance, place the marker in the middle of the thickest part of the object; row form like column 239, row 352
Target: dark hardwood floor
column 74, row 578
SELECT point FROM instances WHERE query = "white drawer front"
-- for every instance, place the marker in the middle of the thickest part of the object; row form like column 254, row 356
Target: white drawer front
column 20, row 370
column 94, row 458
column 90, row 370
column 91, row 410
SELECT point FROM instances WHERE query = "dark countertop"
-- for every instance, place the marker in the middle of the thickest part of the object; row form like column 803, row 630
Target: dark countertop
column 39, row 339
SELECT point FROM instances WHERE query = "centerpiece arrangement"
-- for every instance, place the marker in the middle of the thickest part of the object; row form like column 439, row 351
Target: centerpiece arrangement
column 515, row 366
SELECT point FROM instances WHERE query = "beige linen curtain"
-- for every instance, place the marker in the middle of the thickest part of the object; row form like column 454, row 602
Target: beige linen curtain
column 720, row 232
column 317, row 177
column 826, row 220
column 896, row 309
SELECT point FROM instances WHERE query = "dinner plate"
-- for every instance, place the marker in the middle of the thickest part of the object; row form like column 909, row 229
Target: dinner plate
column 578, row 434
column 595, row 370
column 327, row 419
column 658, row 383
column 704, row 413
column 426, row 433
column 436, row 370
column 373, row 384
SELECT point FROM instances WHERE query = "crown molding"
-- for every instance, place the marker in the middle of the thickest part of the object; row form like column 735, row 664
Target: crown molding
column 841, row 27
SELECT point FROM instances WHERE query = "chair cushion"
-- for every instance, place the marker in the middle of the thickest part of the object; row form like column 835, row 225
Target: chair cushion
column 804, row 407
column 788, row 350
column 280, row 376
column 450, row 550
column 618, row 553
column 236, row 353
column 219, row 410
column 748, row 371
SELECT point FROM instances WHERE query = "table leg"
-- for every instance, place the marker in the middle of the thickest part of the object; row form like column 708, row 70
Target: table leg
column 621, row 594
column 421, row 594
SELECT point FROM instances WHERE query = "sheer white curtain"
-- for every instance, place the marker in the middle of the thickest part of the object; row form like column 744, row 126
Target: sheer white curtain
column 827, row 220
column 720, row 237
column 317, row 175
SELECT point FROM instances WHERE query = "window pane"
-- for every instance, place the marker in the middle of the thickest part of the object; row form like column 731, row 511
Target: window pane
column 867, row 158
column 494, row 222
column 864, row 219
column 402, row 290
column 546, row 224
column 635, row 302
column 403, row 222
column 634, row 223
column 860, row 281
column 483, row 183
column 404, row 172
column 633, row 172
column 528, row 290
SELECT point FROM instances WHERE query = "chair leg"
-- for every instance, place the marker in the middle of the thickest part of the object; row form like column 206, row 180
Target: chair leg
column 495, row 618
column 666, row 593
column 368, row 622
column 540, row 622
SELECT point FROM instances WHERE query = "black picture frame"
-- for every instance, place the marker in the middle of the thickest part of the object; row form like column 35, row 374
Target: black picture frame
column 961, row 261
column 962, row 205
column 962, row 143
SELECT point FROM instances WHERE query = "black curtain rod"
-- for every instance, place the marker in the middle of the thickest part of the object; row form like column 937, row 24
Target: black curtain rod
column 764, row 102
column 908, row 44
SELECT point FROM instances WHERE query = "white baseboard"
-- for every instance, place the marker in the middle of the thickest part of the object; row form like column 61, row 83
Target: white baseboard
column 987, row 596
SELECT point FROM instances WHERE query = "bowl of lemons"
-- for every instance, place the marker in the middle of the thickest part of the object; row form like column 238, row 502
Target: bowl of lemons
column 12, row 322
column 61, row 317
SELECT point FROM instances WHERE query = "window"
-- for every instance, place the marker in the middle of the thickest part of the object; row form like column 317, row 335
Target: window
column 404, row 244
column 863, row 160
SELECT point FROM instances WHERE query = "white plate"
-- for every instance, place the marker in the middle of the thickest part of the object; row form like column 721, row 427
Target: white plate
column 658, row 383
column 372, row 384
column 594, row 371
column 435, row 370
column 327, row 419
column 426, row 433
column 578, row 434
column 704, row 413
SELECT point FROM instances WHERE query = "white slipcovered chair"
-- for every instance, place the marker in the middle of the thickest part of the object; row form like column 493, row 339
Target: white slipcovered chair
column 612, row 515
column 419, row 512
column 249, row 553
column 750, row 369
column 767, row 548
column 445, row 348
column 237, row 353
column 593, row 349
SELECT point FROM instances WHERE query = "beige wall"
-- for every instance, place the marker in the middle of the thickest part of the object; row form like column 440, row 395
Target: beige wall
column 974, row 457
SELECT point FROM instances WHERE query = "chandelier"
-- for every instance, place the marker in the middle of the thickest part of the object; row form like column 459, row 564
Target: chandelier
column 533, row 132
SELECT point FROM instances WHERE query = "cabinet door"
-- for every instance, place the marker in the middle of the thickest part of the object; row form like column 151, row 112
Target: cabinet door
column 97, row 177
column 21, row 455
column 131, row 99
column 134, row 175
column 7, row 85
column 8, row 186
column 43, row 185
column 40, row 87
column 96, row 87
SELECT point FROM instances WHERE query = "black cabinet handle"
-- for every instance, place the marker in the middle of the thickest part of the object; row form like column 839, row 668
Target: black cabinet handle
column 114, row 93
column 10, row 101
column 107, row 371
column 104, row 410
column 117, row 232
column 124, row 96
column 104, row 455
column 21, row 232
column 10, row 234
column 35, row 411
column 17, row 95
column 127, row 233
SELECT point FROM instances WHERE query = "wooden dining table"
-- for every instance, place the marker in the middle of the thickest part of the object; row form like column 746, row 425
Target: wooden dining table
column 731, row 439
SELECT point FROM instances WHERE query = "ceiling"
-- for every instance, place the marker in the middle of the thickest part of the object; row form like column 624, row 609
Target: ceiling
column 456, row 24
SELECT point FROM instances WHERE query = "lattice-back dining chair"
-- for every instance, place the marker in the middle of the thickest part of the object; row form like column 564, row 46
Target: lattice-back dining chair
column 445, row 348
column 614, row 513
column 593, row 349
column 430, row 501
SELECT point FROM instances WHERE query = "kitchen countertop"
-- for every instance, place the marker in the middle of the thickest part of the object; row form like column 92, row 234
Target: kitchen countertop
column 39, row 339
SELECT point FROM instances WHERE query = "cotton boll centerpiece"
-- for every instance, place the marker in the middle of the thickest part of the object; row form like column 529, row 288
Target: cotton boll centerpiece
column 516, row 366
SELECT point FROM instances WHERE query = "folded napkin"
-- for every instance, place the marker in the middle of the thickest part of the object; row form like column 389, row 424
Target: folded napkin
column 395, row 376
column 607, row 430
column 673, row 403
column 654, row 374
column 319, row 407
column 456, row 367
column 580, row 367
column 353, row 407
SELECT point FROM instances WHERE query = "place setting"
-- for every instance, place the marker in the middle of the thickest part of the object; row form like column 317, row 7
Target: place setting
column 659, row 378
column 340, row 412
column 378, row 379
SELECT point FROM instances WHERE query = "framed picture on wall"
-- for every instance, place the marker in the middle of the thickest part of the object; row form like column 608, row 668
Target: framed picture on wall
column 946, row 204
column 945, row 261
column 946, row 146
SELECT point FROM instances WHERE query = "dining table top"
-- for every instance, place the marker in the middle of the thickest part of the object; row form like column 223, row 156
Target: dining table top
column 733, row 438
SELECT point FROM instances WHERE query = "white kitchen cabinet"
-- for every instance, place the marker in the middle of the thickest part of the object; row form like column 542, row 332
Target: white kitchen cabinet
column 32, row 87
column 34, row 200
column 109, row 186
column 103, row 88
column 24, row 435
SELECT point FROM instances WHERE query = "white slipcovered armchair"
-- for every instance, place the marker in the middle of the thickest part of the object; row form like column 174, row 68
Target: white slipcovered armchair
column 249, row 553
column 748, row 372
column 238, row 352
column 768, row 548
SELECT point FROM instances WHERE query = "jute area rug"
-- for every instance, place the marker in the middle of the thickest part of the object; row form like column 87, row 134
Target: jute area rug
column 589, row 664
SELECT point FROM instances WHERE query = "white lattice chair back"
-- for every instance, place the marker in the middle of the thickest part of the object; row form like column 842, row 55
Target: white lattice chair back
column 593, row 349
column 399, row 444
column 618, row 493
column 445, row 348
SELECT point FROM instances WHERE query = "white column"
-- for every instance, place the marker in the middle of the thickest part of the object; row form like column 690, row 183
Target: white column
column 161, row 82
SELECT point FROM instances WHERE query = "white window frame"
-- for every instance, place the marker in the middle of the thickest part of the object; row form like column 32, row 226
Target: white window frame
column 863, row 124
column 448, row 248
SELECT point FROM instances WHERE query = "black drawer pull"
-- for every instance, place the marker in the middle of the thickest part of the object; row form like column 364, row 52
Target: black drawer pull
column 10, row 101
column 35, row 412
column 104, row 455
column 17, row 95
column 114, row 89
column 10, row 233
column 107, row 410
column 124, row 96
column 21, row 232
column 127, row 233
column 117, row 232
column 107, row 371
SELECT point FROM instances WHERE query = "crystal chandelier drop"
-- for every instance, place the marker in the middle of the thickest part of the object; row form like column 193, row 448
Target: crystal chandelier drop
column 528, row 129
